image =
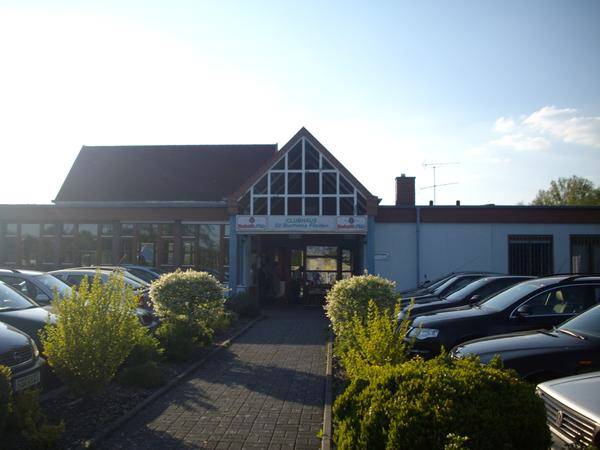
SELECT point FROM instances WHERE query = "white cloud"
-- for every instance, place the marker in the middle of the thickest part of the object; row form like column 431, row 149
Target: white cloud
column 566, row 125
column 520, row 141
column 504, row 124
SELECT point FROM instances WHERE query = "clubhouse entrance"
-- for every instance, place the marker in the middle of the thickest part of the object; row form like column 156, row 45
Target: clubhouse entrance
column 300, row 269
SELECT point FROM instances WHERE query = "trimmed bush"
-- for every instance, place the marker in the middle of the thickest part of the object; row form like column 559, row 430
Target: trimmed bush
column 180, row 338
column 243, row 304
column 350, row 297
column 376, row 341
column 96, row 330
column 441, row 403
column 5, row 397
column 146, row 349
column 147, row 375
column 190, row 296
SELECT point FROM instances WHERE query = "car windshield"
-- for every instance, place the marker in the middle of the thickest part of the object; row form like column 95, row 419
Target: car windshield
column 147, row 276
column 53, row 283
column 11, row 300
column 586, row 323
column 467, row 291
column 509, row 296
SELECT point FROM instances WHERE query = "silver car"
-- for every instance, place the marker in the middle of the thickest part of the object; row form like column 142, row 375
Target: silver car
column 573, row 410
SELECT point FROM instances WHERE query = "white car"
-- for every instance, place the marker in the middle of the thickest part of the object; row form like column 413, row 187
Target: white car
column 573, row 410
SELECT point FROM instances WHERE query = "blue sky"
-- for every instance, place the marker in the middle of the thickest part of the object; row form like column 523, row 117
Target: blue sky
column 508, row 89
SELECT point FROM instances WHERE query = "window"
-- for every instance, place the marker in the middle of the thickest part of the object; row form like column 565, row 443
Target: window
column 585, row 254
column 30, row 244
column 564, row 300
column 87, row 239
column 530, row 255
column 10, row 243
column 106, row 241
column 47, row 242
column 303, row 182
column 67, row 243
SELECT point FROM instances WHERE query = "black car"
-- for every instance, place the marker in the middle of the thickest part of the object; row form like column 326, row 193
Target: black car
column 23, row 313
column 543, row 355
column 473, row 292
column 20, row 353
column 535, row 304
column 445, row 288
column 38, row 286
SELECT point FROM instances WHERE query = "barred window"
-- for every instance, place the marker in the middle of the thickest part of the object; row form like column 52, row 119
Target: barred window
column 530, row 255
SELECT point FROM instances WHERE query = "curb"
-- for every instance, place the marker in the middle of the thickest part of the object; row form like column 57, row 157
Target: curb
column 327, row 425
column 111, row 428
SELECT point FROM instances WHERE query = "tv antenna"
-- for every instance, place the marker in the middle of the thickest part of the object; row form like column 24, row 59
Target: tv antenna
column 434, row 166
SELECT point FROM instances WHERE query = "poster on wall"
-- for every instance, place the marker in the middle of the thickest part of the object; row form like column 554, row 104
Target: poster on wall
column 301, row 224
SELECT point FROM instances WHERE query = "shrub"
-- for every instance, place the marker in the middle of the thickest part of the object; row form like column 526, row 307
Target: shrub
column 95, row 331
column 179, row 338
column 147, row 375
column 193, row 297
column 28, row 419
column 5, row 396
column 223, row 320
column 244, row 304
column 376, row 341
column 350, row 297
column 440, row 403
column 146, row 349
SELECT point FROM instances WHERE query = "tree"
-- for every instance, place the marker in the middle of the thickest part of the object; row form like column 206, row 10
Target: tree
column 574, row 191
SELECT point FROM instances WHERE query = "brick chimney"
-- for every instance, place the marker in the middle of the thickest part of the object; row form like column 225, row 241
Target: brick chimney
column 405, row 191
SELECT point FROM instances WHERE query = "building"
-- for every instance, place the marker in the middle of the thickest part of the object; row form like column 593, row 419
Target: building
column 288, row 221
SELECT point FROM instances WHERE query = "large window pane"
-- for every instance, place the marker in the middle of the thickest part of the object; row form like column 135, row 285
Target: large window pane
column 166, row 252
column 311, row 157
column 188, row 252
column 277, row 206
column 329, row 206
column 277, row 183
column 294, row 183
column 311, row 206
column 346, row 206
column 312, row 183
column 294, row 206
column 209, row 240
column 329, row 183
column 30, row 244
column 295, row 157
column 260, row 188
column 88, row 243
column 126, row 251
column 106, row 251
column 260, row 206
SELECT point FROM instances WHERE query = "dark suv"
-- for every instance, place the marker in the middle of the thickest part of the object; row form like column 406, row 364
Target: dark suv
column 530, row 305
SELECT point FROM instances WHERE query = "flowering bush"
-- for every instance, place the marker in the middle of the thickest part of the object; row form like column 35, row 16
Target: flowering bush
column 95, row 331
column 350, row 297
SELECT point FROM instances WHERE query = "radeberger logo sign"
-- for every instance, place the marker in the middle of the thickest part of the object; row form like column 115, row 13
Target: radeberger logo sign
column 307, row 224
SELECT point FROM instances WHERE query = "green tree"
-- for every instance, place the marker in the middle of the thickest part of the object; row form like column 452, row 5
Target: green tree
column 573, row 191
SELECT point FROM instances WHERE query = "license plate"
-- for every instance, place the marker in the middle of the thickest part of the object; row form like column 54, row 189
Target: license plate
column 27, row 381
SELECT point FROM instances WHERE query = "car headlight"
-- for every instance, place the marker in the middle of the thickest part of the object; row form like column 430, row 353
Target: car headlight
column 423, row 333
column 36, row 352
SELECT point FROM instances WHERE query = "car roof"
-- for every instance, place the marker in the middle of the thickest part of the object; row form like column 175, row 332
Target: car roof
column 21, row 271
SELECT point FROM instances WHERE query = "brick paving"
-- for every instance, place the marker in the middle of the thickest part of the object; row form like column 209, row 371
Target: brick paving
column 265, row 391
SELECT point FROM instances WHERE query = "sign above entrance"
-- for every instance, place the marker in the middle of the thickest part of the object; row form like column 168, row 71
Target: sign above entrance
column 301, row 224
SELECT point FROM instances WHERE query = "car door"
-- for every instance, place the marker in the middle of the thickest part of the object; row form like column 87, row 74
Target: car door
column 553, row 306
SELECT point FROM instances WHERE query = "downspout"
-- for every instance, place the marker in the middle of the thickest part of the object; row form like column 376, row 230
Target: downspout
column 418, row 246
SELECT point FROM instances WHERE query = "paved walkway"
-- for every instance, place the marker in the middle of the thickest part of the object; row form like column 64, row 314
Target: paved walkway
column 266, row 391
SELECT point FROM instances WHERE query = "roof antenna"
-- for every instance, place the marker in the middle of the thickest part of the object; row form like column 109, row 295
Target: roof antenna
column 434, row 166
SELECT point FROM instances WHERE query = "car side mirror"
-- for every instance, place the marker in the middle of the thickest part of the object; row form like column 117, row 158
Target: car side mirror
column 523, row 311
column 475, row 298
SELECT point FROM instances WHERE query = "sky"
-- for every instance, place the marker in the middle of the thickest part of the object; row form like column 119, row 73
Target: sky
column 507, row 91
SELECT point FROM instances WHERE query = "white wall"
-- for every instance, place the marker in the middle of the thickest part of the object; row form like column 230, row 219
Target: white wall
column 452, row 247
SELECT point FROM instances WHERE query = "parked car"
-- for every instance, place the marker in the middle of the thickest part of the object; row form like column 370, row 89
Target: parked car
column 74, row 277
column 39, row 286
column 447, row 287
column 573, row 410
column 126, row 273
column 22, row 313
column 148, row 274
column 542, row 355
column 473, row 292
column 530, row 305
column 20, row 353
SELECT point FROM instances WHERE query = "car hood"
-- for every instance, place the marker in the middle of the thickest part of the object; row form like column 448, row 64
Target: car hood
column 29, row 321
column 449, row 314
column 423, row 299
column 580, row 392
column 522, row 342
column 11, row 338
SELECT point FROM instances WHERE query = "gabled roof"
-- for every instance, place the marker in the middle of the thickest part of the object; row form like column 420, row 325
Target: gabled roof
column 302, row 133
column 202, row 173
